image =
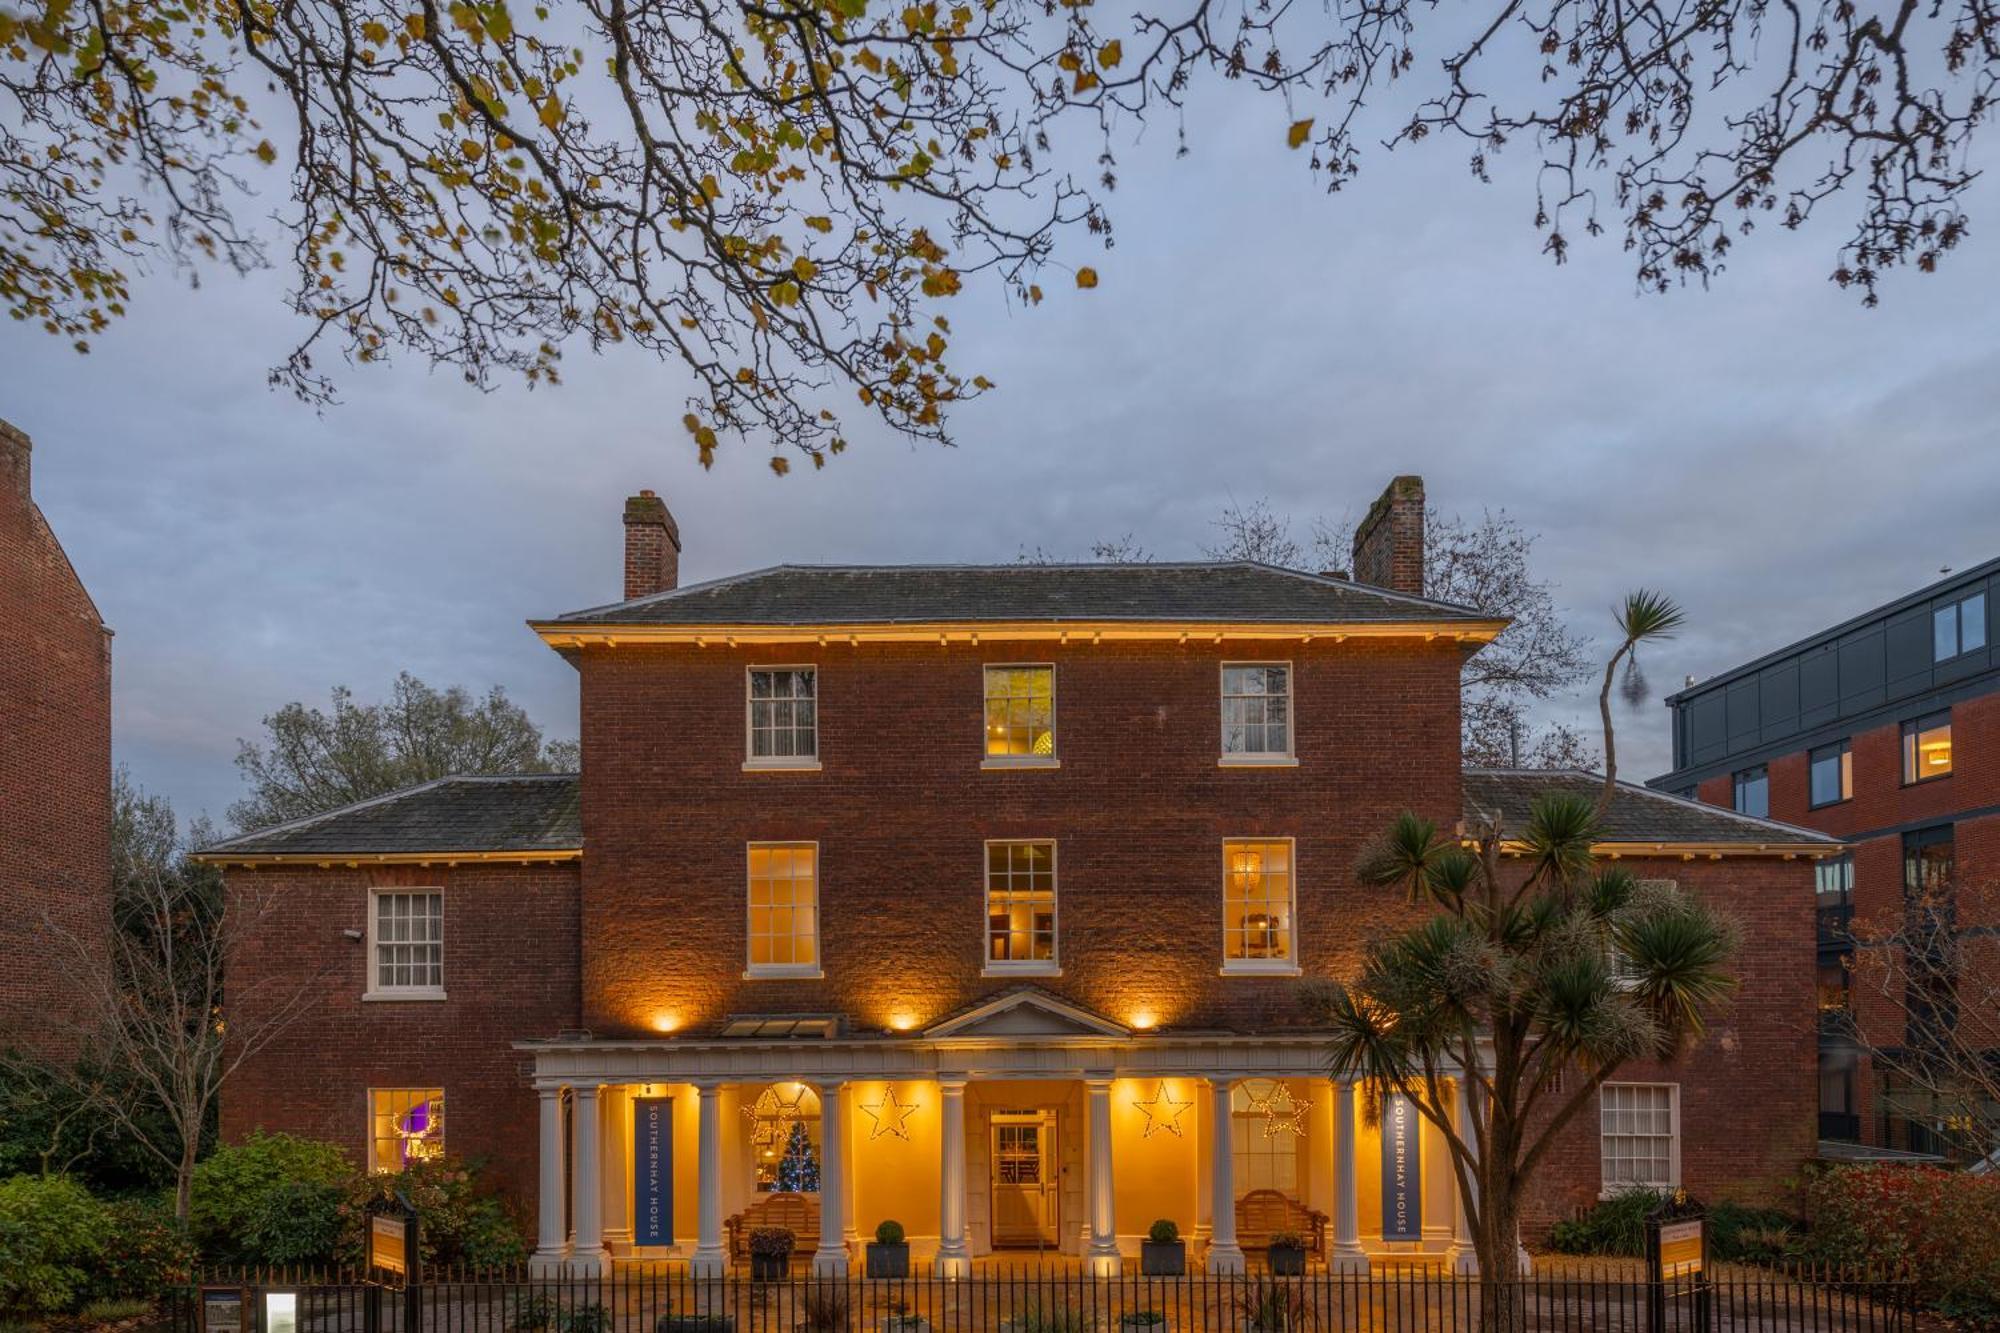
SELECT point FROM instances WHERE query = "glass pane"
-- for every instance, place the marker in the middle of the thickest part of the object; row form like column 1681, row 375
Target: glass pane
column 1972, row 623
column 1944, row 633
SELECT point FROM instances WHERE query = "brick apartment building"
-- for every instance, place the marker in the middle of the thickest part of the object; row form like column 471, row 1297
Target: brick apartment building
column 1883, row 731
column 55, row 763
column 973, row 897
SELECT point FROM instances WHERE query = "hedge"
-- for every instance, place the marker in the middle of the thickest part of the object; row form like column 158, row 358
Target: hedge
column 1943, row 1227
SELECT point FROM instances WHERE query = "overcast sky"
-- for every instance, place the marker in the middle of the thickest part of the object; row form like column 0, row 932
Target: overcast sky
column 1767, row 451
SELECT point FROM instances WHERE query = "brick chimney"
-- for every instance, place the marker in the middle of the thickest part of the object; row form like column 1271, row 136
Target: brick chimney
column 1389, row 541
column 652, row 546
column 14, row 450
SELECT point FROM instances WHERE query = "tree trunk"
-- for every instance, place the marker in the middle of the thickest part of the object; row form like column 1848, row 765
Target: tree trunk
column 184, row 1177
column 1503, row 1306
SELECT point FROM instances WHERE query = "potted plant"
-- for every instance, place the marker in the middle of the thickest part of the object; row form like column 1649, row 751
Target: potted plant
column 901, row 1320
column 1143, row 1321
column 889, row 1252
column 1287, row 1253
column 1274, row 1307
column 1163, row 1253
column 771, row 1253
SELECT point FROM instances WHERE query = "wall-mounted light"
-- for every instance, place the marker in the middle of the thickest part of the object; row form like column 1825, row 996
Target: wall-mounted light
column 1143, row 1019
column 353, row 933
column 1246, row 870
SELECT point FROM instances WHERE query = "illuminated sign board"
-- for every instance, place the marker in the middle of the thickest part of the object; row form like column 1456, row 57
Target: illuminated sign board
column 652, row 1170
column 1402, row 1170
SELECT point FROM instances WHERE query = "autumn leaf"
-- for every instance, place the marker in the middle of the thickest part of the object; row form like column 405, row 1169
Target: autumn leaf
column 1296, row 136
column 1086, row 277
column 1110, row 54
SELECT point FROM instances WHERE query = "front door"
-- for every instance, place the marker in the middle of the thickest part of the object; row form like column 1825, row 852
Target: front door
column 1025, row 1179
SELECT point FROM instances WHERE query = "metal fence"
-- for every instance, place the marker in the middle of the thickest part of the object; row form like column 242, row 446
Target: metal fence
column 661, row 1299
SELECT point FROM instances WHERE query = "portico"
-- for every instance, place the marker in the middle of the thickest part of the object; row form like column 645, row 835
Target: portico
column 1022, row 1125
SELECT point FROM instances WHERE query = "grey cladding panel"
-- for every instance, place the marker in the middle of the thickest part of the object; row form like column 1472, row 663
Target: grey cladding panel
column 1778, row 700
column 1861, row 670
column 1819, row 687
column 1908, row 639
column 1707, row 739
column 1743, row 722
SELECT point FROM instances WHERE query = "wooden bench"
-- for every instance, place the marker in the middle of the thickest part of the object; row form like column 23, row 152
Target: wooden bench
column 796, row 1213
column 1262, row 1214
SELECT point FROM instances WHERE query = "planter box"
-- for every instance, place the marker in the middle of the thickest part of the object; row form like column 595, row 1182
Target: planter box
column 770, row 1267
column 1286, row 1261
column 888, row 1260
column 1168, row 1260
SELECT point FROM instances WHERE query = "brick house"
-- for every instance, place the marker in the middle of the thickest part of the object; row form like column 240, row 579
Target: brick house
column 972, row 897
column 1883, row 731
column 55, row 765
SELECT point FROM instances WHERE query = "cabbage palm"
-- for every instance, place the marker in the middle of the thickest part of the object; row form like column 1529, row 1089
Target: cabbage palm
column 1539, row 972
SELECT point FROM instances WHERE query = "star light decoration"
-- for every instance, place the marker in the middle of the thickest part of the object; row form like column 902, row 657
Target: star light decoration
column 1284, row 1111
column 891, row 1117
column 772, row 1115
column 1162, row 1113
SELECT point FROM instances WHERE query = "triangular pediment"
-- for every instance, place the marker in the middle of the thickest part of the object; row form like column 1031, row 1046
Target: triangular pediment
column 1029, row 1013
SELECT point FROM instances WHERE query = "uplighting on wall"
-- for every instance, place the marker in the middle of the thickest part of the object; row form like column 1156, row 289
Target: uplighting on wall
column 666, row 1022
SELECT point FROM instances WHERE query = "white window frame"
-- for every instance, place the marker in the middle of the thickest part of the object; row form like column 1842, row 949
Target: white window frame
column 1288, row 966
column 371, row 1143
column 1605, row 1189
column 755, row 971
column 1051, row 760
column 1289, row 759
column 777, row 763
column 374, row 990
column 1013, row 967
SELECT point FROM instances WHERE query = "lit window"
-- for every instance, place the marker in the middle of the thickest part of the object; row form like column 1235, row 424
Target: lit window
column 1831, row 775
column 406, row 931
column 1958, row 627
column 1256, row 712
column 784, row 717
column 784, row 1139
column 405, row 1125
column 1834, row 878
column 1753, row 792
column 1265, row 1137
column 784, row 909
column 1257, row 906
column 1641, row 1136
column 1021, row 905
column 1021, row 714
column 1927, row 748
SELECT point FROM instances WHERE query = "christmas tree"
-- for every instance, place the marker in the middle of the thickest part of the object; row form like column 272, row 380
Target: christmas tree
column 798, row 1170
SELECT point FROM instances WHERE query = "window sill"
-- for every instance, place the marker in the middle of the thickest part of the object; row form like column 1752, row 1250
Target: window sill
column 426, row 995
column 1925, row 782
column 1007, row 763
column 767, row 766
column 1605, row 1194
column 1021, row 970
column 1262, row 968
column 1828, row 805
column 782, row 974
column 1257, row 761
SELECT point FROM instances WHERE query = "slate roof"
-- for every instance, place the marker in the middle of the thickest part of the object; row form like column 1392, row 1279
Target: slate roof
column 1236, row 591
column 1637, row 814
column 516, row 813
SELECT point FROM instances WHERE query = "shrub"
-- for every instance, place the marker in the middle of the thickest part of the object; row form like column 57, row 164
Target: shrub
column 889, row 1233
column 462, row 1223
column 1288, row 1240
column 153, row 1251
column 1616, row 1225
column 1164, row 1232
column 772, row 1242
column 272, row 1198
column 1753, row 1235
column 52, row 1239
column 542, row 1313
column 1936, row 1225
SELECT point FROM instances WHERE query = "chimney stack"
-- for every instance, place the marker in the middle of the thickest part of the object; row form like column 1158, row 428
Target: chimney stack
column 1389, row 542
column 14, row 451
column 652, row 546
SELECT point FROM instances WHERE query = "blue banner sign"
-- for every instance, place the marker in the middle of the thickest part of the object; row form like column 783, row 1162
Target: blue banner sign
column 652, row 1170
column 1402, row 1171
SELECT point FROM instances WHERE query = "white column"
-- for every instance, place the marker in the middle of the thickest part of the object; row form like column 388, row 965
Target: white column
column 709, row 1259
column 1463, row 1256
column 587, row 1206
column 551, row 1239
column 830, row 1259
column 1347, row 1255
column 952, row 1259
column 1101, row 1259
column 617, row 1104
column 847, row 1231
column 1224, row 1255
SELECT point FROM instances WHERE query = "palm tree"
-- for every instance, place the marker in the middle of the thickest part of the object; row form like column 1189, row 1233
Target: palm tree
column 1536, row 976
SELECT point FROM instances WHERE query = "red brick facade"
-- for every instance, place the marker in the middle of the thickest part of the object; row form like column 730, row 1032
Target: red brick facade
column 511, row 972
column 55, row 764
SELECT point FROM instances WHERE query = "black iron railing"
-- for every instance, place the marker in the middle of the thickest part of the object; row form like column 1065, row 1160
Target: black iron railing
column 1612, row 1296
